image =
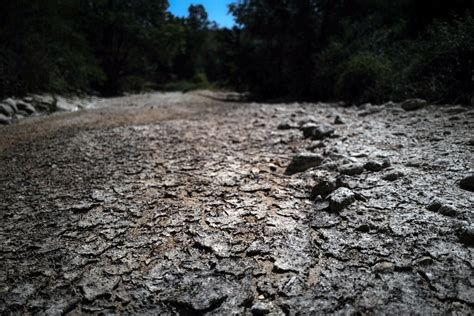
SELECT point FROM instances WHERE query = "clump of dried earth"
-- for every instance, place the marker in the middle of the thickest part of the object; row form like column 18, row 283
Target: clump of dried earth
column 182, row 203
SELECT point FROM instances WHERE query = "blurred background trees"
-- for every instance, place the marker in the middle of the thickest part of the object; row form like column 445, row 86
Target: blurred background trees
column 354, row 50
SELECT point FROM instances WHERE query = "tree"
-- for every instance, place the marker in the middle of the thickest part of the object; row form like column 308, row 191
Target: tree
column 123, row 34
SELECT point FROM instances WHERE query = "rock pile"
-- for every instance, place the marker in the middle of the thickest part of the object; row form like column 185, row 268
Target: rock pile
column 12, row 109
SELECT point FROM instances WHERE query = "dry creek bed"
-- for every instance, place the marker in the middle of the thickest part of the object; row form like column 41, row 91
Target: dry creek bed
column 186, row 204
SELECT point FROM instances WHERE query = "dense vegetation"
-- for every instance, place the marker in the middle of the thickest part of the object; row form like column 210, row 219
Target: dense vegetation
column 356, row 50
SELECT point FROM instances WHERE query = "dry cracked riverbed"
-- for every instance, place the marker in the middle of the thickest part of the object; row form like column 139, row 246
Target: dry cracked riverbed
column 179, row 204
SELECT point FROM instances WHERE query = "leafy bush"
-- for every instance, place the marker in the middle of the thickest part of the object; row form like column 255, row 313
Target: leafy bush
column 364, row 78
column 440, row 63
column 132, row 84
column 200, row 78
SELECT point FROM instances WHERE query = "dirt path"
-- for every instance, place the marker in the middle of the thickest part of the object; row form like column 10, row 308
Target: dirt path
column 176, row 203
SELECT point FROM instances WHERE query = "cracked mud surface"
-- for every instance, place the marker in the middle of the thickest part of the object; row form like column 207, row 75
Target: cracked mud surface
column 165, row 204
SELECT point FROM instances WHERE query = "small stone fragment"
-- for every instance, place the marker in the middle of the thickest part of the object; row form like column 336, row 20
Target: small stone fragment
column 413, row 104
column 383, row 266
column 466, row 235
column 393, row 175
column 340, row 199
column 261, row 308
column 364, row 228
column 435, row 205
column 352, row 169
column 317, row 132
column 303, row 162
column 286, row 126
column 448, row 210
column 376, row 166
column 443, row 207
column 307, row 129
column 338, row 120
column 323, row 188
column 315, row 145
column 423, row 261
column 468, row 183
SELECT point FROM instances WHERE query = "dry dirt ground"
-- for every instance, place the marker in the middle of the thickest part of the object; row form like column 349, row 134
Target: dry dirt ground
column 179, row 204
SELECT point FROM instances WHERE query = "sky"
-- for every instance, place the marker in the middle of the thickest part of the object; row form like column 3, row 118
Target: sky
column 216, row 9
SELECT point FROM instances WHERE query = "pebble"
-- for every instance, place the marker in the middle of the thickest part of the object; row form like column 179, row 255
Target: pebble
column 352, row 169
column 338, row 120
column 384, row 266
column 323, row 188
column 393, row 175
column 286, row 126
column 448, row 210
column 340, row 199
column 317, row 132
column 261, row 308
column 436, row 204
column 443, row 207
column 468, row 183
column 413, row 104
column 303, row 162
column 466, row 235
column 376, row 166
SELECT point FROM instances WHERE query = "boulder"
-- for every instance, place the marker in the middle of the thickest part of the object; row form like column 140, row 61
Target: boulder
column 44, row 103
column 6, row 109
column 26, row 107
column 414, row 104
column 11, row 103
column 4, row 120
column 303, row 162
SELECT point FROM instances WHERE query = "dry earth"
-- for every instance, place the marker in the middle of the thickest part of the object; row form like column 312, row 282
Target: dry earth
column 179, row 204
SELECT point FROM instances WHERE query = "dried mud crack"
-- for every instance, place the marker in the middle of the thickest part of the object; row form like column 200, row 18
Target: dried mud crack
column 183, row 204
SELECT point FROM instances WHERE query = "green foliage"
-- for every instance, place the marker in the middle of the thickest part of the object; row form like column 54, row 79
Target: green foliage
column 439, row 65
column 201, row 78
column 364, row 78
column 357, row 50
column 41, row 49
column 186, row 86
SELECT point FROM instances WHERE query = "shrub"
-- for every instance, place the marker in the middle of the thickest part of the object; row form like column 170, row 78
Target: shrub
column 364, row 78
column 441, row 63
column 201, row 78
